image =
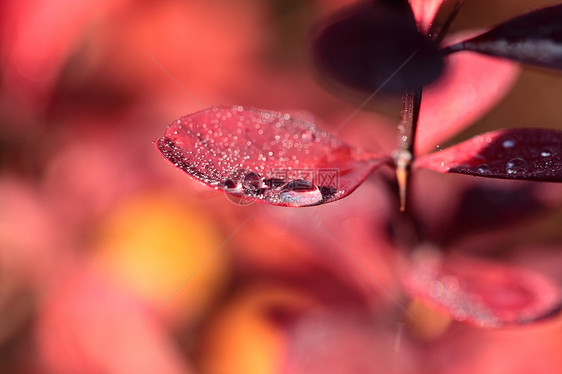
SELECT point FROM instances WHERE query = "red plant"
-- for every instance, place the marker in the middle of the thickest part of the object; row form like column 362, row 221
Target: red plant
column 395, row 47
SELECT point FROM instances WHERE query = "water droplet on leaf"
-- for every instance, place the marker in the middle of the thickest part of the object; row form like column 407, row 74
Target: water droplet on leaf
column 229, row 184
column 308, row 136
column 252, row 181
column 300, row 192
column 483, row 168
column 516, row 165
column 508, row 143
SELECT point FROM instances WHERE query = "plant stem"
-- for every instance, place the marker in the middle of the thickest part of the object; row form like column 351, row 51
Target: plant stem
column 437, row 32
column 404, row 155
column 411, row 102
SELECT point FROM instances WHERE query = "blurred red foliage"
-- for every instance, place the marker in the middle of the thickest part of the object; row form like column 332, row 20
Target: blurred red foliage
column 111, row 262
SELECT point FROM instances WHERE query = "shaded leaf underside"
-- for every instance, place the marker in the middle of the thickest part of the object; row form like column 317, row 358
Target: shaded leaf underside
column 265, row 156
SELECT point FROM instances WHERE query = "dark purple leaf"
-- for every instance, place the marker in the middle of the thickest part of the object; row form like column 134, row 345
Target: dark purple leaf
column 374, row 46
column 483, row 293
column 534, row 38
column 266, row 156
column 528, row 154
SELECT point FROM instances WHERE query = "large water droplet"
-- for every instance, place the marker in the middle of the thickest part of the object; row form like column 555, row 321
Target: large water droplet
column 546, row 153
column 516, row 165
column 300, row 192
column 508, row 143
column 299, row 185
column 252, row 181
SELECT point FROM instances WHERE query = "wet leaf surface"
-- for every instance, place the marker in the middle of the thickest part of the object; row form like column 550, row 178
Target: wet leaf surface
column 534, row 38
column 265, row 156
column 376, row 47
column 484, row 293
column 527, row 154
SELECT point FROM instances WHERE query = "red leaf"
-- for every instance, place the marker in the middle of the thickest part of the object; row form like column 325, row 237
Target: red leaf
column 471, row 85
column 263, row 155
column 534, row 38
column 479, row 292
column 425, row 12
column 529, row 154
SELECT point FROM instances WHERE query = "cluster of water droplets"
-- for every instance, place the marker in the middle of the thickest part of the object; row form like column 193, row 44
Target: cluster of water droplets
column 252, row 153
column 296, row 192
column 513, row 158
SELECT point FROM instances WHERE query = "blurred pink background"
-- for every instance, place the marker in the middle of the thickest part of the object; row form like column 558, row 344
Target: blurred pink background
column 112, row 261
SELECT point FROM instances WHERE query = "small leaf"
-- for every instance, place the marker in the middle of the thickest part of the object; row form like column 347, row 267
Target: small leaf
column 527, row 154
column 533, row 38
column 377, row 47
column 484, row 293
column 469, row 87
column 266, row 156
column 425, row 12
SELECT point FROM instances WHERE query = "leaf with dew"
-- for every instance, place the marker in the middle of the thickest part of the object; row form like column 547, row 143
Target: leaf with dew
column 265, row 156
column 526, row 154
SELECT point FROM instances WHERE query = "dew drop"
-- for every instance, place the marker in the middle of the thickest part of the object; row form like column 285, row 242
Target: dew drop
column 483, row 168
column 508, row 143
column 252, row 181
column 229, row 184
column 300, row 185
column 546, row 153
column 516, row 165
column 274, row 182
column 308, row 136
column 300, row 192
